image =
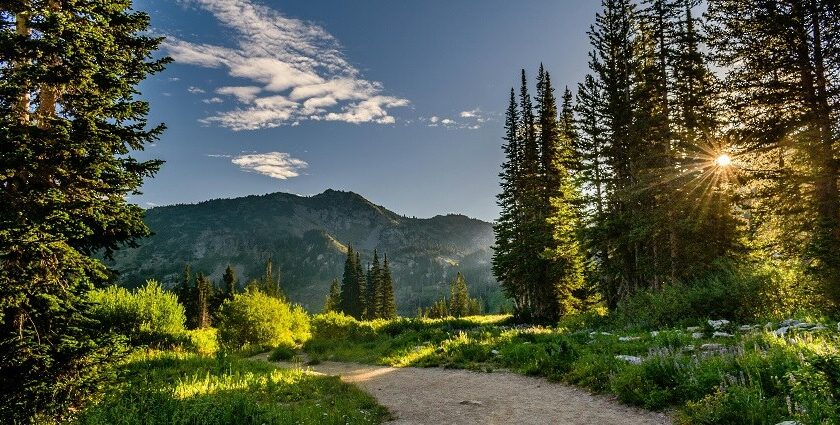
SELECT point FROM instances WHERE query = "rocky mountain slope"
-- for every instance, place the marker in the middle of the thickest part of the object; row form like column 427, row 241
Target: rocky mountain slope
column 307, row 239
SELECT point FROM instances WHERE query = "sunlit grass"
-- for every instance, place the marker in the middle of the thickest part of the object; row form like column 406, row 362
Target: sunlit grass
column 183, row 388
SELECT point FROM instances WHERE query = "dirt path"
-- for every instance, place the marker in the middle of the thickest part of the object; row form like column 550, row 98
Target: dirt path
column 446, row 396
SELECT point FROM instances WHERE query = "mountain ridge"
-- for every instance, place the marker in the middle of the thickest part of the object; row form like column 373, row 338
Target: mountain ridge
column 307, row 236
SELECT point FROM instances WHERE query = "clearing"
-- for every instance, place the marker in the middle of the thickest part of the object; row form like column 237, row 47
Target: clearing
column 449, row 396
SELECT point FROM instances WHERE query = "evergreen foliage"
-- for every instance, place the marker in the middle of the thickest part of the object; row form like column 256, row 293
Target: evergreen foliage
column 231, row 283
column 333, row 303
column 70, row 119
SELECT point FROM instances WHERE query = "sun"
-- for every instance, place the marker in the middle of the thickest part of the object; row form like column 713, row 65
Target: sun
column 723, row 160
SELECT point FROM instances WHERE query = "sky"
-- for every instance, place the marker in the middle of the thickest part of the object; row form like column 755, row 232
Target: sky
column 399, row 101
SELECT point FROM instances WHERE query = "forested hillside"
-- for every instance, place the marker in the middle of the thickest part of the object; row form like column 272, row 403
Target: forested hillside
column 307, row 238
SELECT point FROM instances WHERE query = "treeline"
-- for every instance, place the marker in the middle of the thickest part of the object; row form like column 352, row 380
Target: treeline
column 202, row 298
column 364, row 292
column 459, row 304
column 661, row 170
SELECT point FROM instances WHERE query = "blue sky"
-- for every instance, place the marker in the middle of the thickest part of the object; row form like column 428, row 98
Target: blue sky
column 399, row 101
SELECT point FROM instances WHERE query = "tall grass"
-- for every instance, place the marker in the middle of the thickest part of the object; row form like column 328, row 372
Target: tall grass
column 179, row 388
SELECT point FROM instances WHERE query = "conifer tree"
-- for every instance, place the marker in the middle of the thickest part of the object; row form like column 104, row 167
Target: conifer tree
column 333, row 302
column 373, row 291
column 361, row 285
column 387, row 301
column 188, row 296
column 230, row 282
column 350, row 288
column 459, row 298
column 782, row 62
column 204, row 295
column 270, row 284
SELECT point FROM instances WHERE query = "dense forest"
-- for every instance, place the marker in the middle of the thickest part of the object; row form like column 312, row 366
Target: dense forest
column 698, row 145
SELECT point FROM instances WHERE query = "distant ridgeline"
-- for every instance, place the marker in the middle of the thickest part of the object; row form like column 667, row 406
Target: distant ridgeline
column 307, row 239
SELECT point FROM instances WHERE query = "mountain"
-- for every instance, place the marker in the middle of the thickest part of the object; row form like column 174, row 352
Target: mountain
column 307, row 238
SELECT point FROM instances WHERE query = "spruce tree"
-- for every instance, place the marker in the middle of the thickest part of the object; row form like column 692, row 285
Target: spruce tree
column 350, row 288
column 270, row 284
column 71, row 123
column 361, row 283
column 387, row 302
column 507, row 229
column 188, row 295
column 333, row 302
column 373, row 291
column 781, row 61
column 204, row 295
column 230, row 282
column 459, row 297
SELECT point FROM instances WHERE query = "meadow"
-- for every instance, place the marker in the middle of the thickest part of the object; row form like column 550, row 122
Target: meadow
column 177, row 387
column 711, row 372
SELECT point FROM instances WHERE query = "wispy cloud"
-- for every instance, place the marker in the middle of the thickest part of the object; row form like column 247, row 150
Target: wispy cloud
column 297, row 71
column 277, row 165
column 472, row 119
column 195, row 90
column 470, row 114
column 213, row 100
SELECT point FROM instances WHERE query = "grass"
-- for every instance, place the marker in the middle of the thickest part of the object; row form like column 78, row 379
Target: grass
column 751, row 377
column 164, row 387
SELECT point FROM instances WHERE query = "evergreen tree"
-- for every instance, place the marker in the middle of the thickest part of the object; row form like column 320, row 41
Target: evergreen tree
column 230, row 282
column 188, row 295
column 270, row 284
column 204, row 295
column 387, row 302
column 459, row 298
column 333, row 302
column 361, row 284
column 351, row 286
column 507, row 251
column 71, row 119
column 782, row 62
column 373, row 291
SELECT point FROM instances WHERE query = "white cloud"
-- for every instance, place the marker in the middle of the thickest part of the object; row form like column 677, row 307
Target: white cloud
column 277, row 165
column 195, row 90
column 297, row 71
column 216, row 155
column 213, row 100
column 434, row 119
column 447, row 121
column 470, row 114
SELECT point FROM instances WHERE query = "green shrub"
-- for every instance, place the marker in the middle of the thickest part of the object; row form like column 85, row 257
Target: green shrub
column 282, row 353
column 338, row 326
column 738, row 295
column 203, row 341
column 254, row 318
column 146, row 315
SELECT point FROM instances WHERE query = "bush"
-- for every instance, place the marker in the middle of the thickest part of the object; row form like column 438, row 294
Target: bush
column 257, row 319
column 282, row 353
column 737, row 295
column 333, row 326
column 146, row 315
column 203, row 341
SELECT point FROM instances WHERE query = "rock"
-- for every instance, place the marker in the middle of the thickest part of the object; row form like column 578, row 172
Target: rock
column 654, row 333
column 804, row 325
column 628, row 338
column 838, row 326
column 471, row 403
column 745, row 328
column 818, row 328
column 722, row 335
column 768, row 326
column 693, row 328
column 697, row 335
column 494, row 352
column 781, row 331
column 717, row 324
column 688, row 348
column 789, row 423
column 629, row 359
column 711, row 347
column 790, row 322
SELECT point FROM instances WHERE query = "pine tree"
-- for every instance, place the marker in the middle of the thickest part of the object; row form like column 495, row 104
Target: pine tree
column 204, row 295
column 71, row 119
column 350, row 288
column 387, row 301
column 333, row 302
column 230, row 282
column 361, row 283
column 188, row 296
column 782, row 62
column 373, row 289
column 507, row 229
column 459, row 298
column 270, row 284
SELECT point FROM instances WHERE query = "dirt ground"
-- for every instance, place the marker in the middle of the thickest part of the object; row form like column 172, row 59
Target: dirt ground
column 445, row 396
